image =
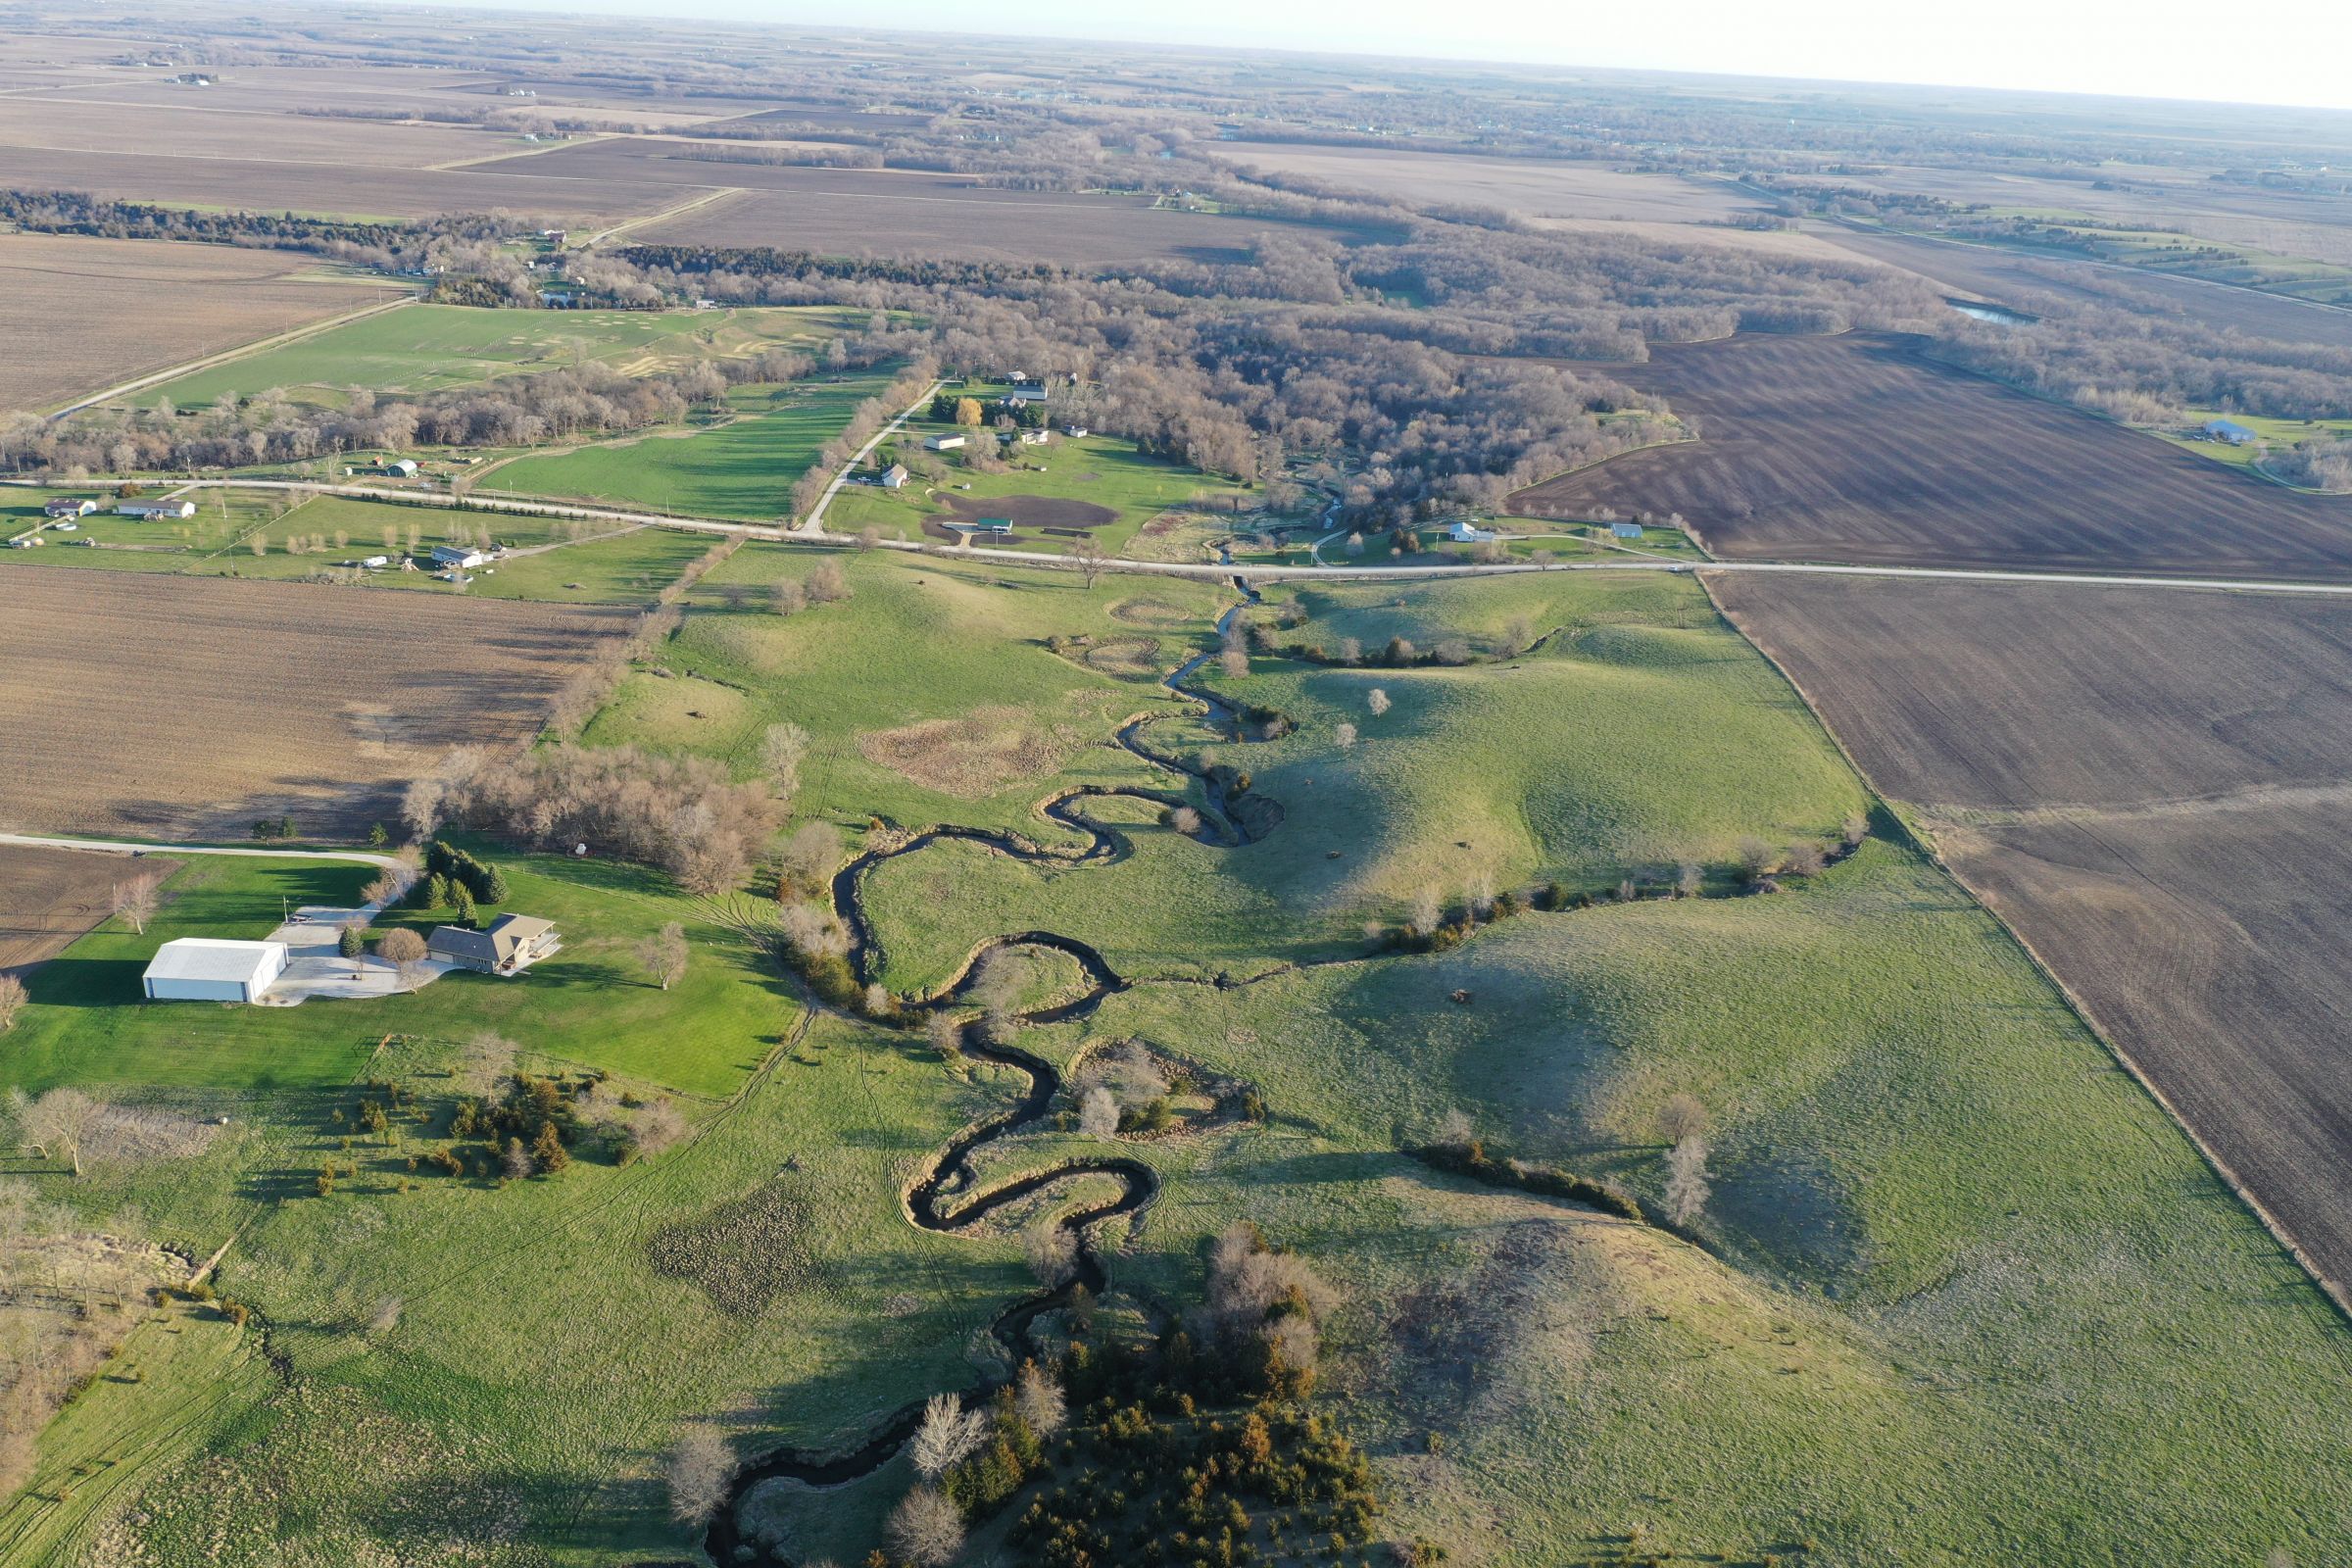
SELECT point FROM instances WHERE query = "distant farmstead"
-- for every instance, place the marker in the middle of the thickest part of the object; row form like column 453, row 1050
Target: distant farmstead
column 152, row 511
column 512, row 944
column 459, row 558
column 2230, row 431
column 1466, row 534
column 1626, row 530
column 202, row 969
column 70, row 506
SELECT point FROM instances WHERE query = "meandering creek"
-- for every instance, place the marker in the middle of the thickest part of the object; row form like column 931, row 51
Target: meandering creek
column 944, row 1198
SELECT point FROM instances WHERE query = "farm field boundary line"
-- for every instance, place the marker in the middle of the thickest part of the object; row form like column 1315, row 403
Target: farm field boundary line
column 205, row 363
column 816, row 522
column 2270, row 1220
column 127, row 846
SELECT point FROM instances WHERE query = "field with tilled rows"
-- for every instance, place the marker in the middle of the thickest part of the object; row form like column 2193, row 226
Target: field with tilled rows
column 50, row 897
column 1858, row 448
column 188, row 707
column 80, row 313
column 2166, row 832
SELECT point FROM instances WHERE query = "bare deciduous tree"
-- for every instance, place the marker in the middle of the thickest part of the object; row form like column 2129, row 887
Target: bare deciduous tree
column 1052, row 1252
column 1038, row 1399
column 828, row 583
column 946, row 1436
column 697, row 1473
column 1453, row 1130
column 1350, row 651
column 664, row 954
column 1234, row 662
column 1185, row 820
column 781, row 749
column 786, row 597
column 1756, row 860
column 1478, row 894
column 57, row 1121
column 385, row 1318
column 404, row 950
column 135, row 900
column 926, row 1529
column 1687, row 1179
column 1343, row 735
column 1091, row 557
column 1804, row 859
column 1682, row 1116
column 945, row 1035
column 657, row 1125
column 11, row 1001
column 1377, row 702
column 1855, row 829
column 1099, row 1114
column 1425, row 912
column 808, row 858
column 1688, row 880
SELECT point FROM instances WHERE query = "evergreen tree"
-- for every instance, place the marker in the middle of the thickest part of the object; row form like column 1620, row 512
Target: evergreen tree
column 462, row 901
column 351, row 944
column 548, row 1149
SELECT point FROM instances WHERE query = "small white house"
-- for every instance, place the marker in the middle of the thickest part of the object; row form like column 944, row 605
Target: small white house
column 69, row 506
column 152, row 511
column 1074, row 431
column 894, row 477
column 1462, row 534
column 2229, row 430
column 459, row 558
column 1035, row 438
column 202, row 969
column 942, row 443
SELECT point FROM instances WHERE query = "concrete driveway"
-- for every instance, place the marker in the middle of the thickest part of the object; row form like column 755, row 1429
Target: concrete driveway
column 314, row 968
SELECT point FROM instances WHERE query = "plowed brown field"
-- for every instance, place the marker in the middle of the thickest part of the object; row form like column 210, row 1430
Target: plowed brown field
column 2154, row 789
column 1856, row 449
column 50, row 897
column 188, row 706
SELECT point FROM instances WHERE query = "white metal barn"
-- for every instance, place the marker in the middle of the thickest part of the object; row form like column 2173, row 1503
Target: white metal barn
column 199, row 969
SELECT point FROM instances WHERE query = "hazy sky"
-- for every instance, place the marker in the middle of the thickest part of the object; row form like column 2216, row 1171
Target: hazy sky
column 2294, row 54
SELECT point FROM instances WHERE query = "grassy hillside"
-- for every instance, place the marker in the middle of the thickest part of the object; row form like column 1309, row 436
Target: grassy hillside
column 1960, row 1292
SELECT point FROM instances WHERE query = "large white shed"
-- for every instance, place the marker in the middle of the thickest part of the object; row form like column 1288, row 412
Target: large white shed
column 200, row 970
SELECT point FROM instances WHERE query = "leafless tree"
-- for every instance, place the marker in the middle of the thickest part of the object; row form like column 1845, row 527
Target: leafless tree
column 657, row 1125
column 698, row 1471
column 828, row 583
column 1804, row 859
column 664, row 954
column 1234, row 662
column 1052, row 1252
column 945, row 1036
column 1343, row 735
column 11, row 1001
column 786, row 597
column 1856, row 828
column 808, row 858
column 385, row 1318
column 1479, row 894
column 518, row 1160
column 1425, row 912
column 1091, row 557
column 135, row 900
column 1350, row 651
column 404, row 950
column 1039, row 1401
column 1688, row 880
column 870, row 537
column 487, row 1061
column 1687, row 1179
column 781, row 749
column 1099, row 1114
column 1452, row 651
column 1681, row 1117
column 421, row 808
column 57, row 1121
column 1453, row 1130
column 1377, row 702
column 925, row 1529
column 946, row 1435
column 1756, row 858
column 1517, row 636
column 1185, row 820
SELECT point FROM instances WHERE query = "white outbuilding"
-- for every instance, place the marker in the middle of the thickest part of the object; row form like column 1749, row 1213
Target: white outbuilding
column 202, row 969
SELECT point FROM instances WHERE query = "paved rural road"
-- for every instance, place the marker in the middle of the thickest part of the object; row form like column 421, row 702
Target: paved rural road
column 114, row 846
column 1159, row 569
column 816, row 522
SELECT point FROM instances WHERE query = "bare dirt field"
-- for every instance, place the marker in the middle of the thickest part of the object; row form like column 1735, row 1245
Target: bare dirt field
column 1537, row 186
column 982, row 230
column 2015, row 279
column 1857, row 449
column 50, row 897
column 189, row 707
column 79, row 314
column 325, row 189
column 64, row 122
column 2152, row 788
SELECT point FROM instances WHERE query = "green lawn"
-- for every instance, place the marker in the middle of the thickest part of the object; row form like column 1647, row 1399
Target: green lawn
column 430, row 348
column 1101, row 471
column 88, row 1022
column 744, row 470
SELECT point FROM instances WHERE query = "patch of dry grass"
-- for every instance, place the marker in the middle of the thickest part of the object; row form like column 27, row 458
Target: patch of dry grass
column 975, row 756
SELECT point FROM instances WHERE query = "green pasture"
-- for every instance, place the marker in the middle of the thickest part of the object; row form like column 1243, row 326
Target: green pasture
column 1101, row 470
column 431, row 348
column 744, row 470
column 1960, row 1291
